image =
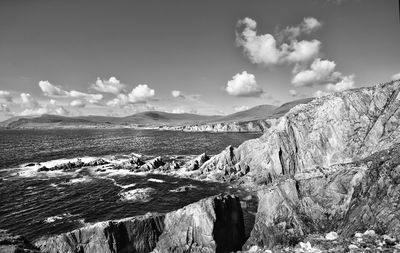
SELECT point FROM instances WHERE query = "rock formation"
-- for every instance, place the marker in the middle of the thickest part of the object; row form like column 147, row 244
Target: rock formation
column 341, row 127
column 211, row 225
column 347, row 198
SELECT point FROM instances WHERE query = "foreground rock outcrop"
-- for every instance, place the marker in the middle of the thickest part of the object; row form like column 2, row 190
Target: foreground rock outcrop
column 211, row 225
column 347, row 198
column 341, row 127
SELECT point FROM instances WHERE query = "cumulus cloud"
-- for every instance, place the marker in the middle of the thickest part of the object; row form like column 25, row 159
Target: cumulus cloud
column 396, row 76
column 293, row 93
column 320, row 72
column 4, row 108
column 184, row 110
column 268, row 51
column 140, row 94
column 241, row 108
column 6, row 96
column 320, row 93
column 91, row 98
column 32, row 107
column 180, row 94
column 177, row 94
column 112, row 85
column 50, row 90
column 77, row 103
column 346, row 83
column 28, row 101
column 243, row 85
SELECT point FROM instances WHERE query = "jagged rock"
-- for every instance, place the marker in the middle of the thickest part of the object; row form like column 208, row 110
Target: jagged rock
column 345, row 198
column 213, row 224
column 10, row 243
column 152, row 164
column 197, row 162
column 341, row 127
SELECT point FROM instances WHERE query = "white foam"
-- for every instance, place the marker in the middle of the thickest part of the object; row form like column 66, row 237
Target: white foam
column 137, row 195
column 52, row 219
column 155, row 180
column 184, row 188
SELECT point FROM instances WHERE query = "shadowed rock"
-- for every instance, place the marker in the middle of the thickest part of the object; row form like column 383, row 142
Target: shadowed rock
column 211, row 225
column 10, row 243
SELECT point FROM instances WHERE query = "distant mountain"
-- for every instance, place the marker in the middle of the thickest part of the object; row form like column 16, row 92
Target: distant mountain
column 149, row 118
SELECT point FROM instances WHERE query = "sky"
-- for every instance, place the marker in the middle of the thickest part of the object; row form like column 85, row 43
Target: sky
column 120, row 57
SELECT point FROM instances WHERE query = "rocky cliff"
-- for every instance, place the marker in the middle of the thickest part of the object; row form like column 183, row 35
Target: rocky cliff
column 337, row 128
column 211, row 225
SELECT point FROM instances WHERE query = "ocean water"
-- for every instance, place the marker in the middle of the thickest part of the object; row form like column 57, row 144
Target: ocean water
column 40, row 204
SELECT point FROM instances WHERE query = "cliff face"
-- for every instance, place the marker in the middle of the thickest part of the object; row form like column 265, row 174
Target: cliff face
column 211, row 225
column 337, row 128
column 347, row 198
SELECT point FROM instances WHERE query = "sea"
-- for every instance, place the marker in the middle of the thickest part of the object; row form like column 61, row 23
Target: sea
column 34, row 204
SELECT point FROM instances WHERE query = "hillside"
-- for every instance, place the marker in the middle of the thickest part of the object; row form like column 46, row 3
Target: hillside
column 156, row 119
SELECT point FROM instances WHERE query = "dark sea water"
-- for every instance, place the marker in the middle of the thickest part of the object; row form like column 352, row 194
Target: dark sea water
column 46, row 204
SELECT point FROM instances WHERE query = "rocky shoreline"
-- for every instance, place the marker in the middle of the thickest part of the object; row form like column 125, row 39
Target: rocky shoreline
column 327, row 173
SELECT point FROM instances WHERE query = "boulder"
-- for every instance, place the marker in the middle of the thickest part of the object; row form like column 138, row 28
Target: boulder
column 213, row 224
column 152, row 164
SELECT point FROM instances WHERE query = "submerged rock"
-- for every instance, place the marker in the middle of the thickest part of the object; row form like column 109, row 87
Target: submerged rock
column 213, row 224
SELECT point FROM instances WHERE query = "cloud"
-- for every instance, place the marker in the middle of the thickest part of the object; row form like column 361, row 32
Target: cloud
column 320, row 72
column 6, row 95
column 4, row 108
column 112, row 85
column 50, row 90
column 77, row 103
column 180, row 94
column 140, row 94
column 177, row 94
column 320, row 93
column 269, row 51
column 396, row 76
column 346, row 83
column 91, row 98
column 293, row 93
column 49, row 108
column 243, row 85
column 241, row 108
column 28, row 101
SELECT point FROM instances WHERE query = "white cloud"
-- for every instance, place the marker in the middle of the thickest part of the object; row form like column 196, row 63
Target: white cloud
column 241, row 108
column 266, row 50
column 77, row 103
column 243, row 85
column 320, row 72
column 396, row 76
column 6, row 95
column 140, row 94
column 293, row 93
column 346, row 83
column 320, row 93
column 303, row 51
column 91, row 98
column 177, row 93
column 49, row 108
column 112, row 85
column 4, row 108
column 28, row 101
column 50, row 90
